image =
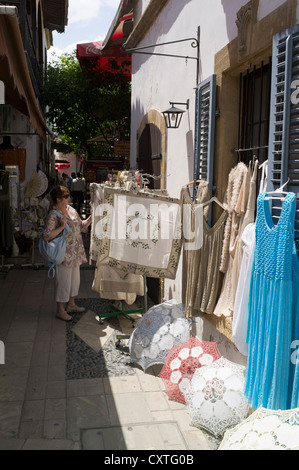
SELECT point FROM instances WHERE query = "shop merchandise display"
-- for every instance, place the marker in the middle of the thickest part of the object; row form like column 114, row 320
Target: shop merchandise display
column 294, row 366
column 201, row 266
column 219, row 278
column 246, row 268
column 270, row 326
column 236, row 198
column 6, row 232
column 240, row 317
column 37, row 185
column 142, row 233
column 111, row 283
column 190, row 260
column 181, row 363
column 215, row 397
column 264, row 430
column 160, row 329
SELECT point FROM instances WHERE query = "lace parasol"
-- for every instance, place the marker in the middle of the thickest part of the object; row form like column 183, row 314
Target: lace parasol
column 215, row 397
column 37, row 185
column 181, row 363
column 265, row 430
column 159, row 330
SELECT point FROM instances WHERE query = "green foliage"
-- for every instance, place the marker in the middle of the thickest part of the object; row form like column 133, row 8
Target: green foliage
column 82, row 105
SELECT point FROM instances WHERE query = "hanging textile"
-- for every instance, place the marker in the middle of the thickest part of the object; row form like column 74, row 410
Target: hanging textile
column 202, row 274
column 6, row 231
column 236, row 202
column 142, row 233
column 15, row 157
column 294, row 363
column 190, row 261
column 240, row 317
column 248, row 219
column 244, row 258
column 209, row 275
column 96, row 233
column 270, row 324
column 112, row 284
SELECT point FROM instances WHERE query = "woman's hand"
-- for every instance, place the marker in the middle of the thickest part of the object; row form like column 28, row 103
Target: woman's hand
column 62, row 221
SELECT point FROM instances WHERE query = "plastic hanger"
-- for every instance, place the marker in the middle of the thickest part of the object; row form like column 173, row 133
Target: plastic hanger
column 213, row 199
column 193, row 182
column 263, row 164
column 272, row 194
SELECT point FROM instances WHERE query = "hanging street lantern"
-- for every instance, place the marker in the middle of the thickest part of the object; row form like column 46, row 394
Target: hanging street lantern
column 173, row 115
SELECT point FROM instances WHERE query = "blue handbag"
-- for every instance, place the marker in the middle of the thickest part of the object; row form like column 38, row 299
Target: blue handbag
column 54, row 250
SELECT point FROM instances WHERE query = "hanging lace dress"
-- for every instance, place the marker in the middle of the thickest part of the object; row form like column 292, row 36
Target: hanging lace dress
column 235, row 202
column 294, row 373
column 190, row 257
column 209, row 276
column 270, row 308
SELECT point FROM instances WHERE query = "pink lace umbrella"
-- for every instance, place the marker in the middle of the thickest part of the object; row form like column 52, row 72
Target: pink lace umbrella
column 181, row 363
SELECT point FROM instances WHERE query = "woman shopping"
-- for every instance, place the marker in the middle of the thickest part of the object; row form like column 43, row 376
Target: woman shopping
column 68, row 273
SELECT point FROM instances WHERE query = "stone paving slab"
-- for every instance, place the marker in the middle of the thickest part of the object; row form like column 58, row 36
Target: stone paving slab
column 92, row 332
column 42, row 408
column 144, row 436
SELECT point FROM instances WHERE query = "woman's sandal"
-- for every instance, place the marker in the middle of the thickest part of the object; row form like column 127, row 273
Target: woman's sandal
column 75, row 309
column 64, row 316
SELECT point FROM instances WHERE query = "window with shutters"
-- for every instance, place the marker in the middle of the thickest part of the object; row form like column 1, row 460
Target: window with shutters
column 284, row 116
column 254, row 113
column 205, row 130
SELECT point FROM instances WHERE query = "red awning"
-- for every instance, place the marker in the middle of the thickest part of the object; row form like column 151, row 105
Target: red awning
column 122, row 24
column 107, row 56
column 124, row 27
column 112, row 59
column 62, row 166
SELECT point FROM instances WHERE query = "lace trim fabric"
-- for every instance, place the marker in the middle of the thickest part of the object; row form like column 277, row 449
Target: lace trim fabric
column 265, row 430
column 159, row 330
column 270, row 316
column 215, row 397
column 274, row 244
column 181, row 363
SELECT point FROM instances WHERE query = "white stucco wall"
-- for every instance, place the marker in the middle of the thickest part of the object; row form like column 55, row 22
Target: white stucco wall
column 158, row 80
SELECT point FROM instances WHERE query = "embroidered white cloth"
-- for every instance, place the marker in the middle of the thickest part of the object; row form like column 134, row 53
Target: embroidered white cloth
column 265, row 430
column 140, row 233
column 96, row 232
column 112, row 284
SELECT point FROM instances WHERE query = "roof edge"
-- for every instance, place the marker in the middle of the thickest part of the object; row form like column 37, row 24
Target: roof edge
column 148, row 18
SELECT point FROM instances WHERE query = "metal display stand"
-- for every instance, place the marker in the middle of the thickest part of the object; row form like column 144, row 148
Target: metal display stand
column 33, row 264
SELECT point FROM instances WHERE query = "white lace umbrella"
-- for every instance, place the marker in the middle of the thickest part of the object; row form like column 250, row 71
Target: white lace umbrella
column 159, row 330
column 265, row 430
column 215, row 397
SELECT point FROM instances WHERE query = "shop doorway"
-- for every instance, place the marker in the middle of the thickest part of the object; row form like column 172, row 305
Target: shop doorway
column 149, row 160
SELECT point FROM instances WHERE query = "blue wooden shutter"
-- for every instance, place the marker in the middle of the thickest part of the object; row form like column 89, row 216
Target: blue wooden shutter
column 204, row 138
column 283, row 158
